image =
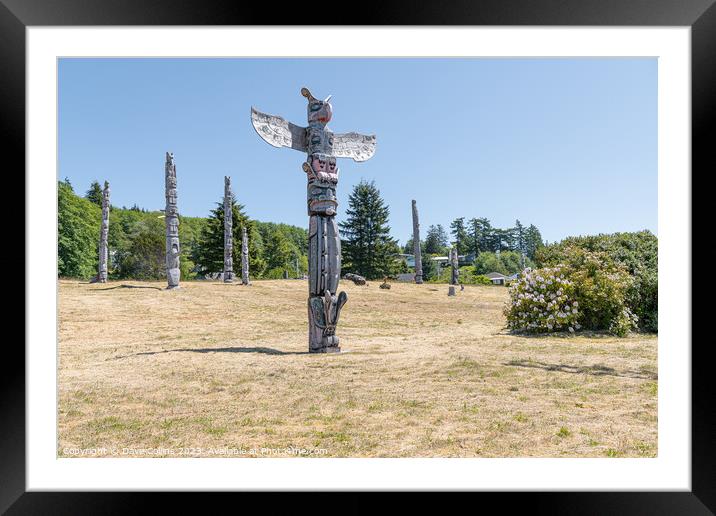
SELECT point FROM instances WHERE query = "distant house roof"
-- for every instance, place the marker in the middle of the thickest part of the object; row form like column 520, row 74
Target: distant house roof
column 495, row 275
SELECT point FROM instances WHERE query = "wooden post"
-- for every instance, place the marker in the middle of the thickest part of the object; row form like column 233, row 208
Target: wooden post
column 416, row 246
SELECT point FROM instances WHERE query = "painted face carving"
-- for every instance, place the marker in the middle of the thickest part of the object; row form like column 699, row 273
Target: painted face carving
column 319, row 164
column 319, row 111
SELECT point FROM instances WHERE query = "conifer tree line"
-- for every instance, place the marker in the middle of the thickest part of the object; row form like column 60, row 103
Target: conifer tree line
column 477, row 235
column 137, row 240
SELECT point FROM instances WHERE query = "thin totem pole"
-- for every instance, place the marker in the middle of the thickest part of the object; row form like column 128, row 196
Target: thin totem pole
column 244, row 257
column 324, row 245
column 455, row 268
column 103, row 234
column 228, row 233
column 171, row 218
column 416, row 246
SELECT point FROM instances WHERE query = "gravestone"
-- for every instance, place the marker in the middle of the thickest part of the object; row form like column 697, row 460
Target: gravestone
column 322, row 147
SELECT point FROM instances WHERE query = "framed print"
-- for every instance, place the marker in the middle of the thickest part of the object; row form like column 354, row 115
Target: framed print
column 453, row 285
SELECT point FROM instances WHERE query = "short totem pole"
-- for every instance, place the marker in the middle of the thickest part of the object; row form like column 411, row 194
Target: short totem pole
column 171, row 218
column 324, row 244
column 416, row 246
column 228, row 233
column 103, row 234
column 454, row 272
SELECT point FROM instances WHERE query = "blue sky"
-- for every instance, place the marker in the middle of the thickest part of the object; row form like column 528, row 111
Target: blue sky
column 569, row 145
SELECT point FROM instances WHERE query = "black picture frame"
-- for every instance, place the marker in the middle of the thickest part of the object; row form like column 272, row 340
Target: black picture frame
column 700, row 15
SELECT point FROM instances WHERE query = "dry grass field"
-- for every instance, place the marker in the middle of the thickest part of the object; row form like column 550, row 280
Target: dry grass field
column 216, row 370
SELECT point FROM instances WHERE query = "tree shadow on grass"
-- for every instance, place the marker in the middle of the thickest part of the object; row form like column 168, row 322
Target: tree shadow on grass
column 261, row 350
column 596, row 370
column 125, row 286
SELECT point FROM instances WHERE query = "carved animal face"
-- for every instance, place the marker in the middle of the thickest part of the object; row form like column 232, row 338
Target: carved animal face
column 319, row 111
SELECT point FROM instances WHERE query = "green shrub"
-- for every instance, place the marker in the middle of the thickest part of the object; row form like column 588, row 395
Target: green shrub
column 636, row 252
column 588, row 290
column 507, row 262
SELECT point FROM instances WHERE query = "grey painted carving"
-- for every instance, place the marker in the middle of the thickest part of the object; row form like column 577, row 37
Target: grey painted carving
column 324, row 245
column 171, row 218
column 454, row 264
column 228, row 233
column 244, row 257
column 103, row 234
column 416, row 246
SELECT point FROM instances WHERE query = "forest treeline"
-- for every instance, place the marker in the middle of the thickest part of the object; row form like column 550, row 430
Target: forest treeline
column 137, row 241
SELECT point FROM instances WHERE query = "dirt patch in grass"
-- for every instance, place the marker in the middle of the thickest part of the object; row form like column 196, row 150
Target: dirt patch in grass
column 213, row 366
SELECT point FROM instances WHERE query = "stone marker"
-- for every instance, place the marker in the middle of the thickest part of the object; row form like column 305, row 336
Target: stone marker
column 171, row 218
column 451, row 290
column 416, row 246
column 228, row 233
column 324, row 245
column 244, row 257
column 103, row 234
column 355, row 278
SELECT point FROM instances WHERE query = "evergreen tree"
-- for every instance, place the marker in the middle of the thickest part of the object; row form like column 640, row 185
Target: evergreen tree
column 94, row 194
column 367, row 248
column 533, row 241
column 208, row 252
column 145, row 257
column 436, row 240
column 479, row 233
column 459, row 233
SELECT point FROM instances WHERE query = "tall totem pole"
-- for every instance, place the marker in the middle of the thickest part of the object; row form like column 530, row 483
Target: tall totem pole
column 324, row 244
column 228, row 233
column 103, row 234
column 171, row 218
column 416, row 246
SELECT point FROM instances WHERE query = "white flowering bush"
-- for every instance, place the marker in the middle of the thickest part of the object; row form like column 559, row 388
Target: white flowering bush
column 588, row 290
column 543, row 300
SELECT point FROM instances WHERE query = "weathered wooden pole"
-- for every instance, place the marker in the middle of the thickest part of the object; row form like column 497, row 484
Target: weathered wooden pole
column 322, row 146
column 103, row 235
column 455, row 267
column 416, row 246
column 171, row 218
column 228, row 233
column 244, row 257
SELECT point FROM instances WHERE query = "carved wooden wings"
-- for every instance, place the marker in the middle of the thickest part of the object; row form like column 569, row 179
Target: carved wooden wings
column 354, row 145
column 278, row 132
